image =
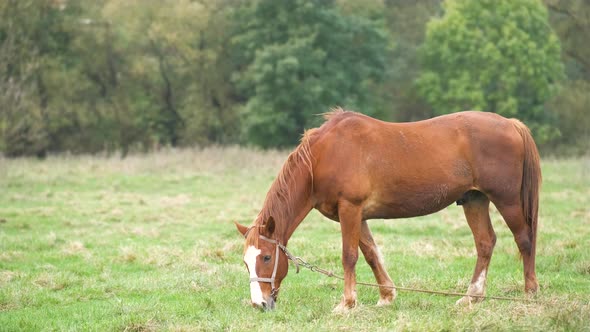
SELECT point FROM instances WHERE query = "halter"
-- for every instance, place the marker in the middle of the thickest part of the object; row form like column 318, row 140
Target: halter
column 272, row 279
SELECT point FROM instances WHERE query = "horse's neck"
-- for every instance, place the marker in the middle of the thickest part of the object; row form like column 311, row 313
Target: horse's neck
column 301, row 207
column 296, row 207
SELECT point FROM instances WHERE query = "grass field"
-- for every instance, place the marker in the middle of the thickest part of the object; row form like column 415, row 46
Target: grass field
column 147, row 243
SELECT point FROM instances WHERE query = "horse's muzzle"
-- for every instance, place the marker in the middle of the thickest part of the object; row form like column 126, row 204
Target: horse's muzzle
column 266, row 305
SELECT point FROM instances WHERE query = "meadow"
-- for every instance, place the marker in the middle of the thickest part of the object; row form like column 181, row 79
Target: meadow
column 147, row 243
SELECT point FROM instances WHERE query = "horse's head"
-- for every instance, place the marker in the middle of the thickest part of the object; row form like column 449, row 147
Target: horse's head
column 266, row 262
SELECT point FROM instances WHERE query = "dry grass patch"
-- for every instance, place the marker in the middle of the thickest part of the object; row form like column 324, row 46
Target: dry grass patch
column 512, row 286
column 453, row 218
column 50, row 281
column 10, row 255
column 164, row 256
column 218, row 251
column 149, row 326
column 442, row 250
column 51, row 239
column 76, row 248
column 183, row 328
column 570, row 315
column 7, row 276
column 175, row 201
column 127, row 254
column 145, row 232
column 583, row 267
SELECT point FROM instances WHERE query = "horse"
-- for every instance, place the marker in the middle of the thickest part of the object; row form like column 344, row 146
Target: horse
column 354, row 168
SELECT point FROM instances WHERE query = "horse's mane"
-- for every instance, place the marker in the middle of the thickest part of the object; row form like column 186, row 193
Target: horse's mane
column 277, row 202
column 336, row 114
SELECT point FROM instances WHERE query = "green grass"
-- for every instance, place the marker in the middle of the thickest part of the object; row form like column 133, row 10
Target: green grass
column 147, row 243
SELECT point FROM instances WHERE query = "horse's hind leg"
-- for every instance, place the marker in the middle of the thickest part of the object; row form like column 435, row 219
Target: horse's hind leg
column 375, row 261
column 476, row 208
column 514, row 217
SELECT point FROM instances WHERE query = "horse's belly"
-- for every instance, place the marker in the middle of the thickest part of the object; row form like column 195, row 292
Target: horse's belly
column 411, row 203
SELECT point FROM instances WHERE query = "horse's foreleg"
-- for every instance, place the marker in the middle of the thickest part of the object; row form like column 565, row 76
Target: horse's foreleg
column 478, row 217
column 373, row 257
column 350, row 224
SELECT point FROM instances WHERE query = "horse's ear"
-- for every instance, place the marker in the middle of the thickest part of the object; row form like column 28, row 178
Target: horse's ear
column 241, row 228
column 270, row 226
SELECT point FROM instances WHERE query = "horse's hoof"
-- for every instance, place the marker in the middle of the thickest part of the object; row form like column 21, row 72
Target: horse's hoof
column 468, row 300
column 532, row 290
column 464, row 301
column 344, row 307
column 384, row 302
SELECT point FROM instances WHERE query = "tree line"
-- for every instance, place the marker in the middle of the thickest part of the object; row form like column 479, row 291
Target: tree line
column 86, row 76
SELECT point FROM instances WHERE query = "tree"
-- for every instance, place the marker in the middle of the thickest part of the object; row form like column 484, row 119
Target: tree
column 87, row 75
column 407, row 22
column 571, row 21
column 175, row 73
column 34, row 38
column 295, row 59
column 492, row 55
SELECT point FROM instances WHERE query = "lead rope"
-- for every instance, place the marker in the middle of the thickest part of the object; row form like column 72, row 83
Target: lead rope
column 314, row 268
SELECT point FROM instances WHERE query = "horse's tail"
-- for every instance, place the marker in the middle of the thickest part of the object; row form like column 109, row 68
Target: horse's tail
column 531, row 181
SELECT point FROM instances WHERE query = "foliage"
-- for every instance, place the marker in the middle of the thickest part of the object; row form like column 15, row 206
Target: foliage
column 33, row 37
column 147, row 243
column 572, row 107
column 298, row 61
column 407, row 22
column 495, row 56
column 571, row 21
column 93, row 77
column 115, row 75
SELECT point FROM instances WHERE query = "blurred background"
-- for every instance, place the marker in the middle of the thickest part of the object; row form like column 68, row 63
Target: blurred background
column 88, row 76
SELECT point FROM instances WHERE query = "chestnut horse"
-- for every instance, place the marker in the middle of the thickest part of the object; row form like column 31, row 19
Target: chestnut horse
column 354, row 168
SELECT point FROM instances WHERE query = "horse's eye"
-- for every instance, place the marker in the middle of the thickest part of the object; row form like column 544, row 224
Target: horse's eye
column 266, row 258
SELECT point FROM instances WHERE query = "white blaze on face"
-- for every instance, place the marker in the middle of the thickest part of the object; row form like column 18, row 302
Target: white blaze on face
column 250, row 260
